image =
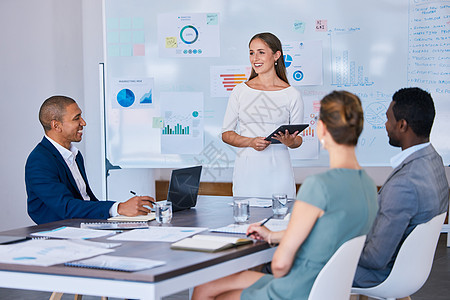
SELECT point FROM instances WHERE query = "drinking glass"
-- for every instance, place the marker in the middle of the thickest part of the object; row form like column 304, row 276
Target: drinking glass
column 279, row 204
column 163, row 212
column 241, row 210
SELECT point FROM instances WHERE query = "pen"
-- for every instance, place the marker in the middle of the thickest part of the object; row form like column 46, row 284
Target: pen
column 134, row 193
column 262, row 224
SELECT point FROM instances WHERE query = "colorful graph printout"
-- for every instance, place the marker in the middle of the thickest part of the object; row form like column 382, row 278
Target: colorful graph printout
column 132, row 93
column 225, row 78
column 189, row 35
column 182, row 130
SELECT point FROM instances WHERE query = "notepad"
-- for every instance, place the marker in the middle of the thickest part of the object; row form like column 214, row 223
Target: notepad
column 144, row 218
column 209, row 243
column 272, row 224
column 116, row 263
column 115, row 225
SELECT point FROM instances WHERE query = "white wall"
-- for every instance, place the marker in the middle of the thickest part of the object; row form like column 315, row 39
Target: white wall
column 40, row 55
column 54, row 47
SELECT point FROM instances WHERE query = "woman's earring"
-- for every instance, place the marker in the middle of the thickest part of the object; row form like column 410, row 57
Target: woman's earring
column 276, row 63
column 322, row 141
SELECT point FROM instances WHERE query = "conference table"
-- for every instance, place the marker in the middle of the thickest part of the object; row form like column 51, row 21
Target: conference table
column 183, row 269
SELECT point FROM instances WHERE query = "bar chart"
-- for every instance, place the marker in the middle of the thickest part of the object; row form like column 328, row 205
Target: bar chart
column 177, row 129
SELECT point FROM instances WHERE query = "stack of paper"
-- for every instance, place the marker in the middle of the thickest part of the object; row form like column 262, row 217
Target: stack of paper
column 47, row 252
column 73, row 233
column 117, row 263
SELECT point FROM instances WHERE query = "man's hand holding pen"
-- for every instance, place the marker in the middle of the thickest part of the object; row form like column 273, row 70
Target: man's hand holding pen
column 136, row 206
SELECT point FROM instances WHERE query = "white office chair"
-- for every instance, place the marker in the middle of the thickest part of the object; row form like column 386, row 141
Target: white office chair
column 335, row 279
column 412, row 265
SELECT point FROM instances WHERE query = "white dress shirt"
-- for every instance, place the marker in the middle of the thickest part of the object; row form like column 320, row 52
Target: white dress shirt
column 69, row 157
column 399, row 158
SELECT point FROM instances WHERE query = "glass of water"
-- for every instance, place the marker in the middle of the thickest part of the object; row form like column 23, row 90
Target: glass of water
column 241, row 210
column 279, row 204
column 163, row 212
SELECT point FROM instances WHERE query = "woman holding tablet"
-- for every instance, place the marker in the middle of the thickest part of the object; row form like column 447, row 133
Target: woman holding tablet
column 331, row 208
column 258, row 107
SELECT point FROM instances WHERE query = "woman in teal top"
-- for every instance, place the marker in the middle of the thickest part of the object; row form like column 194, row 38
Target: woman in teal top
column 331, row 208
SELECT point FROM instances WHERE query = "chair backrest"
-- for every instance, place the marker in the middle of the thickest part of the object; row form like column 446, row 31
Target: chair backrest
column 413, row 263
column 335, row 279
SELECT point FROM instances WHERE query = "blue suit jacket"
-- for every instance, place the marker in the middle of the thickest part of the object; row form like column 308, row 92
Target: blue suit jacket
column 52, row 192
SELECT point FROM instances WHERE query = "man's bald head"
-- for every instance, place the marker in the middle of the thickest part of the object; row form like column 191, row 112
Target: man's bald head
column 53, row 108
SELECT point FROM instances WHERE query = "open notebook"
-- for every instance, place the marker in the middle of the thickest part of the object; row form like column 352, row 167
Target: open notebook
column 209, row 243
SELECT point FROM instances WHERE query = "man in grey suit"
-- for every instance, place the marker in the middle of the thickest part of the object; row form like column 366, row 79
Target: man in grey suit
column 416, row 191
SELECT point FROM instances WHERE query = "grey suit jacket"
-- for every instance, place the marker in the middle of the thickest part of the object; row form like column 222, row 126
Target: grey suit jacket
column 415, row 192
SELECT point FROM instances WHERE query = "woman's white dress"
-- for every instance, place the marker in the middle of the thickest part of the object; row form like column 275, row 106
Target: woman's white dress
column 253, row 113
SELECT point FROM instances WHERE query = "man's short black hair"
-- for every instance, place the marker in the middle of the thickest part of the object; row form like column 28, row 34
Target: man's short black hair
column 416, row 107
column 53, row 108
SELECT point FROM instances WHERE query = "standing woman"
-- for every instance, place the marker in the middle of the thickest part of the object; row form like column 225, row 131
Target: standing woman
column 259, row 106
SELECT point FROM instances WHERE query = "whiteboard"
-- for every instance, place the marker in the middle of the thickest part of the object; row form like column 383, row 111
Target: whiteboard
column 165, row 60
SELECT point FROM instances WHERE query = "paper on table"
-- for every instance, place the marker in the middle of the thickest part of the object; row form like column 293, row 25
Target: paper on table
column 158, row 234
column 272, row 224
column 144, row 218
column 96, row 244
column 258, row 202
column 117, row 263
column 73, row 233
column 47, row 252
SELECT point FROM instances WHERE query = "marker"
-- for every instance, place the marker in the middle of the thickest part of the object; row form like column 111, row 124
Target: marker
column 134, row 193
column 262, row 224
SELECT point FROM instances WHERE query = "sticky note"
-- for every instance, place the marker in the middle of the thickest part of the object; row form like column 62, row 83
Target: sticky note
column 138, row 50
column 126, row 50
column 112, row 23
column 138, row 37
column 158, row 122
column 171, row 42
column 212, row 19
column 113, row 37
column 299, row 26
column 113, row 50
column 125, row 23
column 321, row 25
column 138, row 23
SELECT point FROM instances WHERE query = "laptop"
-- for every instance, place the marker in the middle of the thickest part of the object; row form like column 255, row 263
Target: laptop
column 183, row 187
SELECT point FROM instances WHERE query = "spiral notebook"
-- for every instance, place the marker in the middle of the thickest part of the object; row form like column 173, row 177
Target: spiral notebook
column 115, row 225
column 116, row 263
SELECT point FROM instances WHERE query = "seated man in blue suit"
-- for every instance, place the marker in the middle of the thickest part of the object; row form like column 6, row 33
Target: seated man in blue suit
column 55, row 176
column 414, row 193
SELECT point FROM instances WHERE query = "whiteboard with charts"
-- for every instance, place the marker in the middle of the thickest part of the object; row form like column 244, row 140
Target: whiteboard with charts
column 171, row 65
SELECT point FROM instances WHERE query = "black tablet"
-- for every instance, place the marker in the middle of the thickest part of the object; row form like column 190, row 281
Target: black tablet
column 291, row 129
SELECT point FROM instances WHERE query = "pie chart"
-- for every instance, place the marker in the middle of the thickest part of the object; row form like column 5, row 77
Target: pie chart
column 125, row 98
column 287, row 60
column 189, row 34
